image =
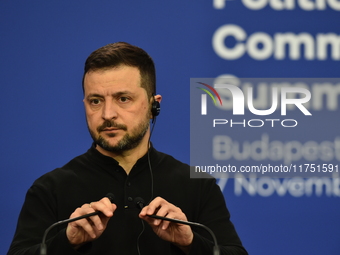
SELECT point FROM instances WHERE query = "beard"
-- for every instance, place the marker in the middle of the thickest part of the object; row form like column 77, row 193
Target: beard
column 129, row 141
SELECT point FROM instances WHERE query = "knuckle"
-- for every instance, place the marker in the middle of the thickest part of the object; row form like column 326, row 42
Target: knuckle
column 157, row 199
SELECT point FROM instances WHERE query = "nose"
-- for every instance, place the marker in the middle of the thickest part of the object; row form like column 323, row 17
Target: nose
column 109, row 111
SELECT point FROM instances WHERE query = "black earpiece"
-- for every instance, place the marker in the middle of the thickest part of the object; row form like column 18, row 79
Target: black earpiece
column 155, row 108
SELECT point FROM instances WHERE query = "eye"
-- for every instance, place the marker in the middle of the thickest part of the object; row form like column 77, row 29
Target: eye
column 95, row 101
column 124, row 99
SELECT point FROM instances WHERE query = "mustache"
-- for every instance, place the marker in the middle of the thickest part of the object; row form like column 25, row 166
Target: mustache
column 111, row 123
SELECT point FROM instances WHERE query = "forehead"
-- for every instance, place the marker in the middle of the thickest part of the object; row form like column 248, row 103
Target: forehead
column 117, row 78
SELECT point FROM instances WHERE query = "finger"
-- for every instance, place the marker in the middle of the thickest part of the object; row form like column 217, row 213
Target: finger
column 91, row 222
column 83, row 224
column 106, row 201
column 110, row 206
column 172, row 215
column 154, row 206
column 158, row 206
column 86, row 225
column 163, row 211
column 104, row 206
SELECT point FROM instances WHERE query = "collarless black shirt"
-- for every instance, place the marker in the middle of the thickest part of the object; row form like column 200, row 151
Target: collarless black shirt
column 89, row 177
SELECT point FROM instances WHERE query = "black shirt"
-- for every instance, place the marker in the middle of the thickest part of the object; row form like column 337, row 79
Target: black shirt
column 89, row 177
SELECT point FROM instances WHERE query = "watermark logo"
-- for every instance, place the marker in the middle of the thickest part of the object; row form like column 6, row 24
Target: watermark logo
column 278, row 98
column 239, row 101
column 204, row 97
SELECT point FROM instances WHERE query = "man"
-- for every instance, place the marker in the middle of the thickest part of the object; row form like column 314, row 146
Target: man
column 119, row 87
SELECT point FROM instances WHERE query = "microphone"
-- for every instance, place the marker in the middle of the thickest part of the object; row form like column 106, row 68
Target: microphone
column 43, row 248
column 140, row 203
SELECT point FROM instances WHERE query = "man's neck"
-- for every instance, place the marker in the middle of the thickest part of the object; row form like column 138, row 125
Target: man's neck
column 127, row 159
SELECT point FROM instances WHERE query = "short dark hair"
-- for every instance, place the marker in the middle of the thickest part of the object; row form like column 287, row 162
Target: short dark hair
column 122, row 53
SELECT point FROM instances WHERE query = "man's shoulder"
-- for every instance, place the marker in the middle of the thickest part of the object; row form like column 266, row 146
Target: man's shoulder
column 171, row 165
column 66, row 171
column 170, row 161
column 171, row 158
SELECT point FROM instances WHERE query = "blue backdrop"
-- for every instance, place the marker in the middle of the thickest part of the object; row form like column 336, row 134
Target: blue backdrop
column 43, row 48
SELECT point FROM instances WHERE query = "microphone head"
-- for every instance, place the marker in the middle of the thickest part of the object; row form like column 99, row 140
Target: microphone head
column 140, row 203
column 111, row 197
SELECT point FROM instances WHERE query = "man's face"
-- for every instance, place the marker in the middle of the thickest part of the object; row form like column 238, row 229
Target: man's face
column 117, row 108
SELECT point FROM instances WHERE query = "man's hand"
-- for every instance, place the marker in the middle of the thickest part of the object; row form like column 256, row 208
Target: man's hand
column 178, row 234
column 85, row 230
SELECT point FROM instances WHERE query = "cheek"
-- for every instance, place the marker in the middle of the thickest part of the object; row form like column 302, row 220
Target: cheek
column 146, row 109
column 144, row 112
column 93, row 119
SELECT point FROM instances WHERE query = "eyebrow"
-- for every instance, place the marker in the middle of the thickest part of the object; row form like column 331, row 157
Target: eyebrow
column 117, row 94
column 122, row 93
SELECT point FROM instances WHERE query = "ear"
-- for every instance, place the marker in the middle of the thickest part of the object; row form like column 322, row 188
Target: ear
column 158, row 98
column 155, row 106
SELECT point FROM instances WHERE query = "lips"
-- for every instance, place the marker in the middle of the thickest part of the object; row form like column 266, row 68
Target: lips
column 110, row 129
